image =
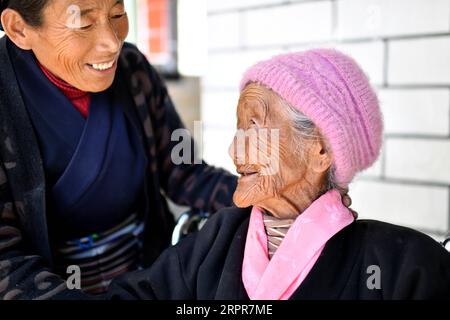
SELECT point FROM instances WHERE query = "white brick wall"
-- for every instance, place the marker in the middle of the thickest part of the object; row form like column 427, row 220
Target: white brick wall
column 225, row 69
column 375, row 18
column 223, row 31
column 418, row 111
column 418, row 159
column 404, row 48
column 415, row 206
column 288, row 24
column 420, row 61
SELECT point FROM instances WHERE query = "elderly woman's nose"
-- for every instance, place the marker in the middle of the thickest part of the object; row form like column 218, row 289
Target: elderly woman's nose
column 108, row 40
column 243, row 148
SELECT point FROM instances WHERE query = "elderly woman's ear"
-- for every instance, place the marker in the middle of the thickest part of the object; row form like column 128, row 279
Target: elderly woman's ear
column 321, row 161
column 16, row 29
column 320, row 157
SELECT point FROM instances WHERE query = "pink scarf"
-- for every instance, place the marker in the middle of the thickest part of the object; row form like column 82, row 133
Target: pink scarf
column 279, row 278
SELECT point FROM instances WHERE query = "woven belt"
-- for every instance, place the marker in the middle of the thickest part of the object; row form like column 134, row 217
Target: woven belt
column 103, row 256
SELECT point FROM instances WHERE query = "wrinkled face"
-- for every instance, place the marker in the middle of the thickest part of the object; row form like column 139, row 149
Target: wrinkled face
column 280, row 169
column 80, row 41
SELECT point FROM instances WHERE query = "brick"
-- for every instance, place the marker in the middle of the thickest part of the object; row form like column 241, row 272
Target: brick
column 356, row 18
column 223, row 31
column 419, row 61
column 370, row 56
column 418, row 111
column 420, row 207
column 418, row 159
column 289, row 24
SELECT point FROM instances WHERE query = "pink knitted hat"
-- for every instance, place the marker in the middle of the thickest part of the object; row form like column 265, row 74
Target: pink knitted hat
column 334, row 93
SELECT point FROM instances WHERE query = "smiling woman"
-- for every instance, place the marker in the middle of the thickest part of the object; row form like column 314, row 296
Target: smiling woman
column 79, row 42
column 84, row 153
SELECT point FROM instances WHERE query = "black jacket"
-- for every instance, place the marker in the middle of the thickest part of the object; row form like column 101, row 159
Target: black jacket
column 208, row 265
column 25, row 249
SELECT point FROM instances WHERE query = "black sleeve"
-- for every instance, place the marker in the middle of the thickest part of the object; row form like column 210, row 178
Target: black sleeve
column 423, row 271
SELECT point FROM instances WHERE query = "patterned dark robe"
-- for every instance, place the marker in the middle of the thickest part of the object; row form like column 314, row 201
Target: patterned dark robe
column 25, row 254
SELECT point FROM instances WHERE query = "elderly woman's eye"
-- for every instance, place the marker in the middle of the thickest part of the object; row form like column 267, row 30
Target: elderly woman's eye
column 252, row 122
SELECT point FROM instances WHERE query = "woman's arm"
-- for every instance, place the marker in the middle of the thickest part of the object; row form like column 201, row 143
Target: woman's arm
column 196, row 185
column 423, row 270
column 22, row 274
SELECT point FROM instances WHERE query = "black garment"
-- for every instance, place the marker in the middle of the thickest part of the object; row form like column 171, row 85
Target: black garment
column 208, row 265
column 26, row 261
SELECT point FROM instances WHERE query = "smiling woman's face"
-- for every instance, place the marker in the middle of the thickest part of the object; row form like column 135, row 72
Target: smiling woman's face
column 282, row 180
column 80, row 41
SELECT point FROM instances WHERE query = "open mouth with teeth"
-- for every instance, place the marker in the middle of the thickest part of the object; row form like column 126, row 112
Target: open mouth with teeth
column 102, row 66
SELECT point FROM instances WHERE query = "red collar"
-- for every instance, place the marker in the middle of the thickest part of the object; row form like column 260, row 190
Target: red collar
column 69, row 91
column 80, row 99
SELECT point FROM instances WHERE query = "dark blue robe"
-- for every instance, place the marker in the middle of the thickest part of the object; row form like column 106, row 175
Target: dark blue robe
column 95, row 166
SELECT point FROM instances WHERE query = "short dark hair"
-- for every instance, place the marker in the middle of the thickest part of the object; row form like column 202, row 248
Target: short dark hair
column 30, row 10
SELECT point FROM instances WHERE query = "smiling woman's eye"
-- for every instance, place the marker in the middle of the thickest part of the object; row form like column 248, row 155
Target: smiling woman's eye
column 118, row 16
column 84, row 28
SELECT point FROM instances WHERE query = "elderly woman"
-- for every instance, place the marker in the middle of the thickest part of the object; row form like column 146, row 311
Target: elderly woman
column 85, row 151
column 291, row 237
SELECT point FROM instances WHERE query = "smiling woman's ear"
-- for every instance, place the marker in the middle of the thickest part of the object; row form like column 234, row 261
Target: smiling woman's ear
column 16, row 29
